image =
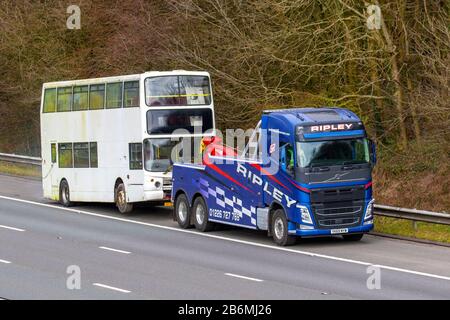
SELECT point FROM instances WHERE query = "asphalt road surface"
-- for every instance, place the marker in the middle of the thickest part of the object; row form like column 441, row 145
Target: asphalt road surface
column 47, row 251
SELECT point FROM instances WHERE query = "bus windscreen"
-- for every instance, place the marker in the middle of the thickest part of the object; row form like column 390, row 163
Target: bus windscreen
column 177, row 91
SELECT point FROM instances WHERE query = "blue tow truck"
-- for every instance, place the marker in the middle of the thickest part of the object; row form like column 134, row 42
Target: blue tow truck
column 309, row 174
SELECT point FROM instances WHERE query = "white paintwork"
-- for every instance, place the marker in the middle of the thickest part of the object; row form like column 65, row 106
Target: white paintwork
column 113, row 130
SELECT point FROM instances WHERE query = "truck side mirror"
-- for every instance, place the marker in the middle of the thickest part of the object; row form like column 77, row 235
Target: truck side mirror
column 372, row 152
column 282, row 161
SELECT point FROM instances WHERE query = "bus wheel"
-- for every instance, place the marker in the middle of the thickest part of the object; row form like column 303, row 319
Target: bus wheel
column 64, row 194
column 200, row 212
column 353, row 237
column 182, row 211
column 280, row 229
column 121, row 200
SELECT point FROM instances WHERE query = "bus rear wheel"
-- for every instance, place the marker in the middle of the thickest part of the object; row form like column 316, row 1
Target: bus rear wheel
column 200, row 212
column 280, row 229
column 64, row 194
column 121, row 199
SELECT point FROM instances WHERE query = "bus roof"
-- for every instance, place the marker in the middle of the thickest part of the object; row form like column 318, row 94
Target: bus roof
column 129, row 77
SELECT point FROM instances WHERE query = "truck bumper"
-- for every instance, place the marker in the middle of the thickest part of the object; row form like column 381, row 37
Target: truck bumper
column 329, row 232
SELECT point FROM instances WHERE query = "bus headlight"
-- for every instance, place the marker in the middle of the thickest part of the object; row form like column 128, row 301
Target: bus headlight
column 369, row 210
column 306, row 217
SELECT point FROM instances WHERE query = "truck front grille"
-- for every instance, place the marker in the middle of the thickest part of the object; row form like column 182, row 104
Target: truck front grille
column 338, row 207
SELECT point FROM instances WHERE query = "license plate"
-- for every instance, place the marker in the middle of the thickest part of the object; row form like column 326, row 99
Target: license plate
column 339, row 231
column 167, row 204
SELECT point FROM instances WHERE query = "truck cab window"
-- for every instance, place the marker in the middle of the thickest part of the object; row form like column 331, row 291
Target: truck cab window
column 287, row 158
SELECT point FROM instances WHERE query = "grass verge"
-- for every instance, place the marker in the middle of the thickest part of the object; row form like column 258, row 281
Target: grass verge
column 418, row 230
column 19, row 169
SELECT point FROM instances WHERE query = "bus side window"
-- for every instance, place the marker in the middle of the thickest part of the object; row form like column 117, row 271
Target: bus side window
column 53, row 152
column 96, row 96
column 65, row 155
column 80, row 98
column 131, row 94
column 114, row 95
column 64, row 101
column 49, row 100
column 93, row 155
column 135, row 154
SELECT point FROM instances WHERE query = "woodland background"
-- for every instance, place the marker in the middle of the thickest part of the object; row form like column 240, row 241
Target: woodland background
column 261, row 54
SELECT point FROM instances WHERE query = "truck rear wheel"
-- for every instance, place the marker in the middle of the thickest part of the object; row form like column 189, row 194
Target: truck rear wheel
column 64, row 194
column 182, row 211
column 200, row 212
column 280, row 229
column 353, row 237
column 121, row 199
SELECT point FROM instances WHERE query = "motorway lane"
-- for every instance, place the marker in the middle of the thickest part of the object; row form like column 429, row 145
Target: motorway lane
column 178, row 265
column 166, row 264
column 392, row 252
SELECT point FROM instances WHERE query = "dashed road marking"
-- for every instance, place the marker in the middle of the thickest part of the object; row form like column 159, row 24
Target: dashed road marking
column 114, row 250
column 12, row 228
column 110, row 288
column 243, row 277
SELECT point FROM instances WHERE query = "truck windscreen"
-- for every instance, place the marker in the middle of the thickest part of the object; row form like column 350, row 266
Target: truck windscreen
column 332, row 152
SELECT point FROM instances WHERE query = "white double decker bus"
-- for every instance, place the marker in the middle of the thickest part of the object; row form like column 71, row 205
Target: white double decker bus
column 111, row 139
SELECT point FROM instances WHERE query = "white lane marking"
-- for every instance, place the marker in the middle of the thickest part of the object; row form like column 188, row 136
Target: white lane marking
column 5, row 261
column 115, row 250
column 110, row 288
column 12, row 228
column 243, row 277
column 255, row 244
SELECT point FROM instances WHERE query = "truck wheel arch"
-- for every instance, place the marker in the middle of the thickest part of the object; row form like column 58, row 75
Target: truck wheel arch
column 273, row 207
column 179, row 192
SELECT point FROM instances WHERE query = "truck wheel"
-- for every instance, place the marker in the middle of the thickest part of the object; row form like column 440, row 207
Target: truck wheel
column 280, row 229
column 182, row 211
column 200, row 212
column 353, row 237
column 121, row 199
column 64, row 194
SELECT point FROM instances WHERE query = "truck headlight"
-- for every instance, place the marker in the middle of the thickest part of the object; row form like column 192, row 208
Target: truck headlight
column 369, row 210
column 304, row 212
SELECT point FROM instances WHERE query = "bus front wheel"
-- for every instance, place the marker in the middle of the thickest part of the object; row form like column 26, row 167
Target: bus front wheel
column 64, row 194
column 121, row 199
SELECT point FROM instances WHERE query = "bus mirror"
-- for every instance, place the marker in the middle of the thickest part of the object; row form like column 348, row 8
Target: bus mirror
column 373, row 152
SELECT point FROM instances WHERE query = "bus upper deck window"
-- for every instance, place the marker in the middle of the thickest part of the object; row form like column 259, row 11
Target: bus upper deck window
column 80, row 98
column 96, row 96
column 50, row 100
column 131, row 94
column 114, row 95
column 64, row 99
